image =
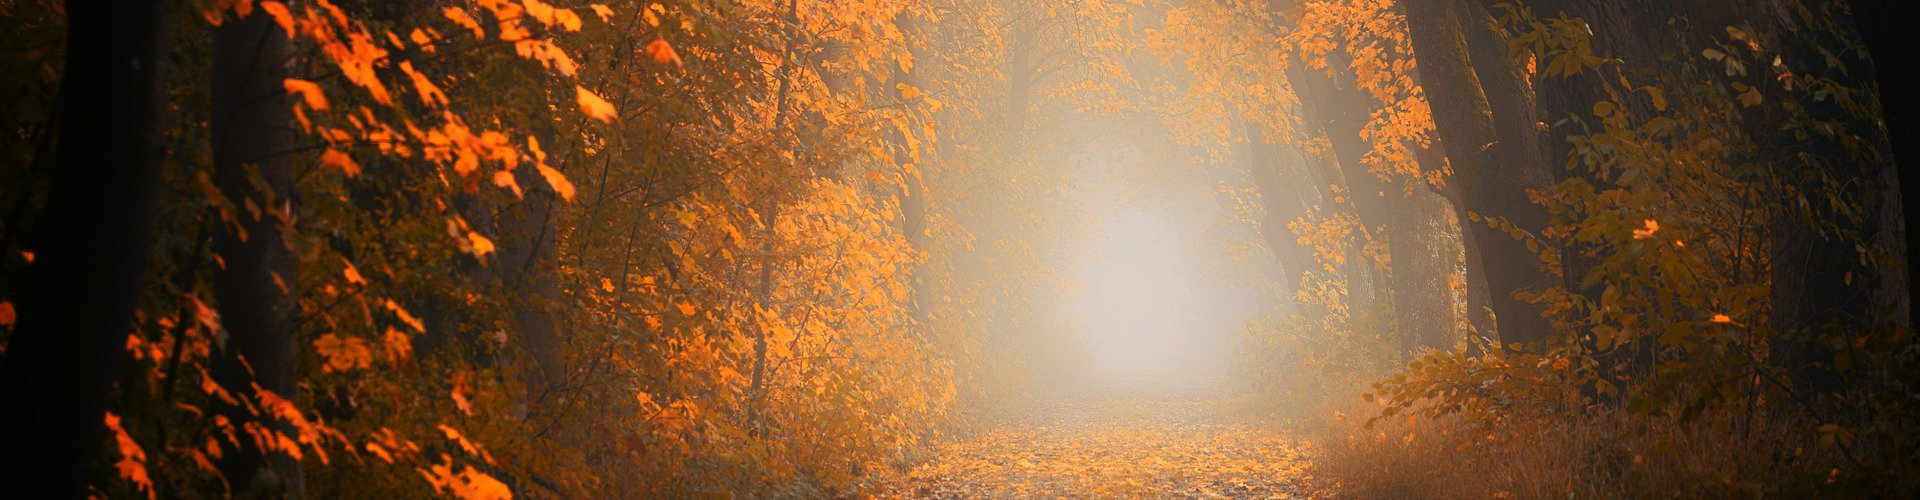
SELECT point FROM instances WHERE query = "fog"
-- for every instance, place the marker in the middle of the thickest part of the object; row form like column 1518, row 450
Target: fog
column 1156, row 305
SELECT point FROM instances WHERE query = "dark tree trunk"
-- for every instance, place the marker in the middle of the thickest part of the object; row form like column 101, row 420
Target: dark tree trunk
column 1486, row 185
column 1824, row 293
column 78, row 304
column 252, row 128
column 1880, row 23
column 524, row 265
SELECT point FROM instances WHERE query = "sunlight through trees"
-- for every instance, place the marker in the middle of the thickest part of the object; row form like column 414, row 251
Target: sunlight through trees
column 495, row 249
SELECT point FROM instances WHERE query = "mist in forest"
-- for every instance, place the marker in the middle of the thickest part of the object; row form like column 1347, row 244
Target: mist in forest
column 939, row 249
column 1157, row 299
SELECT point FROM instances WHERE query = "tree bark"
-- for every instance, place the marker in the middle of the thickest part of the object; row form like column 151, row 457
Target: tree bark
column 78, row 304
column 1421, row 262
column 1487, row 186
column 528, row 248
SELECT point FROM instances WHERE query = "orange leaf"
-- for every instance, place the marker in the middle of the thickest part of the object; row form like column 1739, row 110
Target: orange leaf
column 132, row 464
column 406, row 318
column 7, row 315
column 661, row 51
column 352, row 273
column 399, row 348
column 280, row 14
column 343, row 354
column 559, row 182
column 504, row 178
column 594, row 106
column 481, row 245
column 429, row 93
column 308, row 91
column 461, row 18
column 460, row 399
column 380, row 451
column 686, row 308
column 1647, row 231
column 336, row 159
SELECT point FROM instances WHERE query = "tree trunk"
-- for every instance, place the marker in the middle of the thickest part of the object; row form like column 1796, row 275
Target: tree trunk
column 1487, row 186
column 1880, row 23
column 1280, row 203
column 1340, row 109
column 78, row 304
column 252, row 128
column 525, row 266
column 1422, row 261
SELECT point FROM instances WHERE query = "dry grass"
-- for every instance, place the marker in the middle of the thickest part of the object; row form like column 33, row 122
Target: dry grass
column 1604, row 453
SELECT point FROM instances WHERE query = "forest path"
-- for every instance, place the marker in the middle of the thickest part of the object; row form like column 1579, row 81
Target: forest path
column 1140, row 447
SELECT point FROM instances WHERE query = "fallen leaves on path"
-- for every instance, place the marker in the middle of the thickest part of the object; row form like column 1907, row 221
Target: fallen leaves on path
column 1114, row 449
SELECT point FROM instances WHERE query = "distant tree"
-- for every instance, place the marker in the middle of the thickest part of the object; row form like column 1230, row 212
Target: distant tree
column 252, row 132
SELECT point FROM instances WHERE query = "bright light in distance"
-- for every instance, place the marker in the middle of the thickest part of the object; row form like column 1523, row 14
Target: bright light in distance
column 1152, row 314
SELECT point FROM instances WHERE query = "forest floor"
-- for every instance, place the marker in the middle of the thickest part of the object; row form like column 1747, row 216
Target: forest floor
column 1116, row 447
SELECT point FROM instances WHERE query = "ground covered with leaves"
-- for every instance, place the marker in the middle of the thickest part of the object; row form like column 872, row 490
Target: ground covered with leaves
column 1114, row 448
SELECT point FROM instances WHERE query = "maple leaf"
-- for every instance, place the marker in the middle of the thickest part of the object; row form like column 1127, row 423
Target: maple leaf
column 594, row 106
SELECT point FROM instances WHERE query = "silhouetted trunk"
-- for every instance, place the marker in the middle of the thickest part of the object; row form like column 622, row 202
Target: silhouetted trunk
column 77, row 307
column 1879, row 23
column 252, row 131
column 1824, row 294
column 525, row 266
column 1486, row 186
